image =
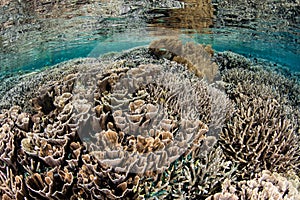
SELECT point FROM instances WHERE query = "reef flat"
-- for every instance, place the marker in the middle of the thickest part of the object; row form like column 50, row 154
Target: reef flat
column 168, row 121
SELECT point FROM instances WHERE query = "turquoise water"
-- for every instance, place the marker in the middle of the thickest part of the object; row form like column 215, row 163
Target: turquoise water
column 49, row 41
column 280, row 48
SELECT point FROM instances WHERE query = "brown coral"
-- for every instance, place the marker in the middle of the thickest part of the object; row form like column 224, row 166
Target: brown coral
column 140, row 111
column 7, row 147
column 101, row 181
column 11, row 186
column 196, row 57
column 51, row 151
column 54, row 184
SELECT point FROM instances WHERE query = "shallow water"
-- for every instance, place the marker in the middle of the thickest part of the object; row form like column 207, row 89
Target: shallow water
column 34, row 35
column 92, row 77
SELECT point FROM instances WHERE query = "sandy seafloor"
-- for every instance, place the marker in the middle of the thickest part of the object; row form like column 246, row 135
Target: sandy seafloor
column 141, row 124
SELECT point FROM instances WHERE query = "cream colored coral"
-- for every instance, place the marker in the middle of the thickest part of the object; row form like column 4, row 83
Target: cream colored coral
column 266, row 185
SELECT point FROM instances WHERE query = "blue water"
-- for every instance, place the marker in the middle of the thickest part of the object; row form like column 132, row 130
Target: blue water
column 281, row 53
column 281, row 48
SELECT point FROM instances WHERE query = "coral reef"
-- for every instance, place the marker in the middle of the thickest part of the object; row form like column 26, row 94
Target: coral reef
column 263, row 132
column 135, row 125
column 110, row 130
column 266, row 185
column 195, row 175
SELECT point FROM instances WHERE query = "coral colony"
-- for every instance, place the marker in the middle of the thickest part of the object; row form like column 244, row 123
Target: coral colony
column 172, row 121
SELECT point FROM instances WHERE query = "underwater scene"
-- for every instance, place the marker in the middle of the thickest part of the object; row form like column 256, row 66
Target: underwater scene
column 150, row 99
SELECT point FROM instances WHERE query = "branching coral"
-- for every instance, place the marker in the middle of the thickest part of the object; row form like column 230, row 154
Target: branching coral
column 266, row 185
column 262, row 83
column 195, row 175
column 263, row 131
column 259, row 136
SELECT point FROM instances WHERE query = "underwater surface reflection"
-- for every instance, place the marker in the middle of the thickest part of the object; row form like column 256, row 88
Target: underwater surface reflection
column 42, row 33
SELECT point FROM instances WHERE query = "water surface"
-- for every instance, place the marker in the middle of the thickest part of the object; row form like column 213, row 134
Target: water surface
column 36, row 34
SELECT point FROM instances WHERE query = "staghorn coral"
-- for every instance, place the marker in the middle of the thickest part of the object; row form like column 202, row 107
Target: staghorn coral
column 258, row 82
column 195, row 175
column 263, row 132
column 265, row 185
column 196, row 57
column 242, row 85
column 260, row 136
column 221, row 110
